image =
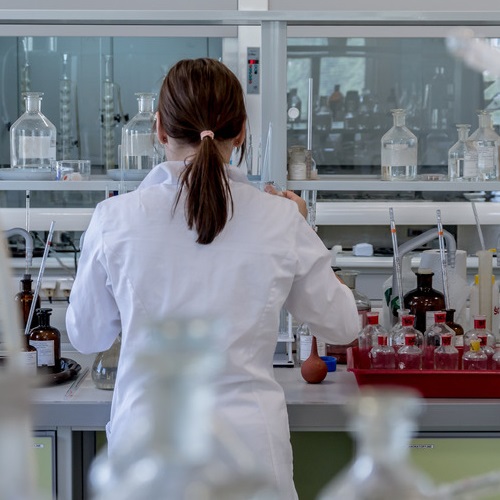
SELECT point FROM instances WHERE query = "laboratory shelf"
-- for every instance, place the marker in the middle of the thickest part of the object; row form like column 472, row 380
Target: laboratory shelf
column 373, row 183
column 96, row 183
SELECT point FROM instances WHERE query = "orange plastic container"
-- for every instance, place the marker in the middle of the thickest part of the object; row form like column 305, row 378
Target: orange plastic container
column 430, row 383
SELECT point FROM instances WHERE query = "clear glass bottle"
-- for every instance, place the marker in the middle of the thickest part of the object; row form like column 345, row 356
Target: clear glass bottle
column 305, row 343
column 47, row 341
column 409, row 357
column 462, row 156
column 446, row 355
column 432, row 338
column 475, row 358
column 396, row 328
column 495, row 361
column 382, row 355
column 179, row 447
column 479, row 330
column 105, row 366
column 24, row 299
column 456, row 327
column 407, row 328
column 363, row 303
column 382, row 422
column 399, row 151
column 486, row 141
column 139, row 147
column 424, row 300
column 487, row 349
column 32, row 137
column 367, row 338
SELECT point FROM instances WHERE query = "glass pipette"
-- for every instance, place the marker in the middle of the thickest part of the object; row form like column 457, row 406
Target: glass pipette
column 40, row 276
column 444, row 268
column 397, row 261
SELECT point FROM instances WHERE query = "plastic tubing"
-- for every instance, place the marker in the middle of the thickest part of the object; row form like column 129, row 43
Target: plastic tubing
column 29, row 244
column 420, row 240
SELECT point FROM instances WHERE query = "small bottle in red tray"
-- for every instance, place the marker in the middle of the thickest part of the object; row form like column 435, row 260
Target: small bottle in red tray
column 432, row 338
column 367, row 338
column 446, row 355
column 487, row 349
column 382, row 355
column 475, row 358
column 409, row 356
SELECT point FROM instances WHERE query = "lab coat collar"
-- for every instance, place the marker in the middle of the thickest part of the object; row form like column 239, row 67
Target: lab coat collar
column 168, row 172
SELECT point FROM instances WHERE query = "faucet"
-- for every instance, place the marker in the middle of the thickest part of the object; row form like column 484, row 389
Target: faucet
column 419, row 240
column 29, row 243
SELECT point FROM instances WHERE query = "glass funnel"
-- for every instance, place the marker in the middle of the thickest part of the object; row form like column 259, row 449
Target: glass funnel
column 32, row 137
column 139, row 150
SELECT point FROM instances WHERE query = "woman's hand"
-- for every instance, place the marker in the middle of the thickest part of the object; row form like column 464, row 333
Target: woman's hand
column 301, row 203
column 271, row 189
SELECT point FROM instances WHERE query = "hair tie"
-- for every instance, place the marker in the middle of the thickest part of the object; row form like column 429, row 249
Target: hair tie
column 206, row 133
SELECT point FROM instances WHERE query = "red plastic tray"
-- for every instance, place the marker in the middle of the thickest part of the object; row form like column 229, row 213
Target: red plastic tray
column 430, row 383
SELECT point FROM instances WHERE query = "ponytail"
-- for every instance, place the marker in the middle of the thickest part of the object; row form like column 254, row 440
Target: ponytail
column 209, row 200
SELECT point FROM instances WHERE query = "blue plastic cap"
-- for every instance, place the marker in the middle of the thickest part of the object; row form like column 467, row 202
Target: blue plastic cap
column 331, row 362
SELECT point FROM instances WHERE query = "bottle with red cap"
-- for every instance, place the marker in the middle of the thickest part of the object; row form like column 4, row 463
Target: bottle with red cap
column 446, row 355
column 479, row 331
column 382, row 355
column 474, row 358
column 409, row 356
column 367, row 338
column 432, row 338
column 397, row 339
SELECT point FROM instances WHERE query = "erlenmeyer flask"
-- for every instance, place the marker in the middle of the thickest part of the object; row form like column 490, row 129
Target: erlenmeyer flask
column 173, row 448
column 383, row 423
column 105, row 366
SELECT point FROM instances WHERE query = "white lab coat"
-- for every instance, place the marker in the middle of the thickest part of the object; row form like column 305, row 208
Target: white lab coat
column 139, row 263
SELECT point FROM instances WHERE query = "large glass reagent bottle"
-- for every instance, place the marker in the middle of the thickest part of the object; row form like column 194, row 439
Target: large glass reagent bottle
column 462, row 156
column 486, row 141
column 32, row 137
column 138, row 145
column 399, row 151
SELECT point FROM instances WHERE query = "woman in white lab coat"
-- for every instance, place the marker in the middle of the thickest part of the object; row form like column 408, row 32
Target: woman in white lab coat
column 197, row 240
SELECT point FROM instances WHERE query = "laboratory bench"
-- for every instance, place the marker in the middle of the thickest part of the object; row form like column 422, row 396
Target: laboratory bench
column 76, row 413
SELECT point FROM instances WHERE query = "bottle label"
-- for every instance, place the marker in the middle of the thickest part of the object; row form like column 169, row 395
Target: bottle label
column 321, row 347
column 305, row 347
column 45, row 349
column 35, row 147
column 297, row 171
column 29, row 362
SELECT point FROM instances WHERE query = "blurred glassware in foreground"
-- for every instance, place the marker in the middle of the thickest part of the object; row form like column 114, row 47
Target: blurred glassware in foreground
column 175, row 449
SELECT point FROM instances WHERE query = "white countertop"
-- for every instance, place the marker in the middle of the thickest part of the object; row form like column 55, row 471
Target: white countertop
column 311, row 407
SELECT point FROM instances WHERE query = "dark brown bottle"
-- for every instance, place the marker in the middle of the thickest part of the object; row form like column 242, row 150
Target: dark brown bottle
column 424, row 300
column 457, row 328
column 24, row 299
column 47, row 341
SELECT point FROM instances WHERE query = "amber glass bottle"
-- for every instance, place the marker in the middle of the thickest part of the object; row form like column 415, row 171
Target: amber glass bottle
column 29, row 355
column 47, row 341
column 24, row 298
column 457, row 328
column 424, row 300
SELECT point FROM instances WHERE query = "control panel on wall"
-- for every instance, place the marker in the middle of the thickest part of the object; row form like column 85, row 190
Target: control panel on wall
column 253, row 70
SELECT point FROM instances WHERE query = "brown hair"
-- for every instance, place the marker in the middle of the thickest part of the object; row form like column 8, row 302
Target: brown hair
column 199, row 95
